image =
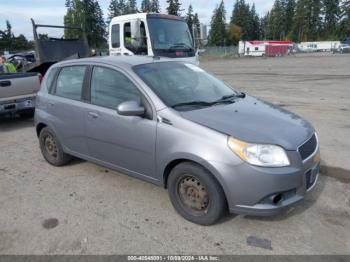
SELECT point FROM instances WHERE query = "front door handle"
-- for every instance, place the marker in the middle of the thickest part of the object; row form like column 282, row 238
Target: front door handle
column 5, row 83
column 93, row 114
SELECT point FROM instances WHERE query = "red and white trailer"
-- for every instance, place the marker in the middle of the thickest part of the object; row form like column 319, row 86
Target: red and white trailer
column 264, row 48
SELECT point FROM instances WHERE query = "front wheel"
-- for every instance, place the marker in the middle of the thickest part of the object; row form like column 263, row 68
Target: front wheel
column 195, row 194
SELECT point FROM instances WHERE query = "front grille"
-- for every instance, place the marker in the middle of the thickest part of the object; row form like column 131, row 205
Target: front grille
column 308, row 148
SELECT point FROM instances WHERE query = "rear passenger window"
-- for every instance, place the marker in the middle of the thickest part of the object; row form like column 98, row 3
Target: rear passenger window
column 109, row 88
column 70, row 82
column 50, row 79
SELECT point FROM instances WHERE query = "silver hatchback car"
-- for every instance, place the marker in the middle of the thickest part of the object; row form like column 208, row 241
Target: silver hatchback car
column 174, row 125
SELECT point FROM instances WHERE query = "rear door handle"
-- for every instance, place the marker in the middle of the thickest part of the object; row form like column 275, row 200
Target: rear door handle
column 51, row 104
column 5, row 83
column 93, row 114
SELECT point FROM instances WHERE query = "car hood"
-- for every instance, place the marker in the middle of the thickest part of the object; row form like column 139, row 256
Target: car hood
column 256, row 121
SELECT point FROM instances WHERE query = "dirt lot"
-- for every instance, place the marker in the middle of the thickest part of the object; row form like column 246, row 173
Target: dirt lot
column 85, row 209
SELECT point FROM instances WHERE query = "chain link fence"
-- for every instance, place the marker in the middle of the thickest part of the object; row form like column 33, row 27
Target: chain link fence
column 219, row 51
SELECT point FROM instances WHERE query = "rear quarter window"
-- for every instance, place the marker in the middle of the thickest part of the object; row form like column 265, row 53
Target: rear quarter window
column 50, row 80
column 70, row 82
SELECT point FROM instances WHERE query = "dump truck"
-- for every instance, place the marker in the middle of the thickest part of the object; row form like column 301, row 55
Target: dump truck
column 18, row 90
column 49, row 51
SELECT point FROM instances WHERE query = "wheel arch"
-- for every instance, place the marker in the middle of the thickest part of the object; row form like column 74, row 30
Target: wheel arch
column 171, row 164
column 40, row 126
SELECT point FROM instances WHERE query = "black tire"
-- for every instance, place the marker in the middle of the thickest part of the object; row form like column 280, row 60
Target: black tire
column 51, row 148
column 201, row 187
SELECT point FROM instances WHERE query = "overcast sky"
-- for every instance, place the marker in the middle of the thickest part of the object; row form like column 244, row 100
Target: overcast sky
column 19, row 12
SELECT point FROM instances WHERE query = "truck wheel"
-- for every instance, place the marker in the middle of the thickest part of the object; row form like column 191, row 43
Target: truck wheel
column 195, row 194
column 51, row 148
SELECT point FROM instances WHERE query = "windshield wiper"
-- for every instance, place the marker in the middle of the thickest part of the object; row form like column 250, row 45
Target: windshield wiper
column 224, row 99
column 229, row 98
column 193, row 103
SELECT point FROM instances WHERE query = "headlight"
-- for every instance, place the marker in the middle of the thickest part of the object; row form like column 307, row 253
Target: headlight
column 259, row 155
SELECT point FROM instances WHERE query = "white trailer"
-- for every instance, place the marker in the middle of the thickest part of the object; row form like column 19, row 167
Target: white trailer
column 152, row 35
column 322, row 46
column 264, row 48
column 251, row 48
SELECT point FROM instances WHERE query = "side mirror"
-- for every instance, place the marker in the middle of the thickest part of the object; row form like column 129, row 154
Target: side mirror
column 130, row 108
column 135, row 29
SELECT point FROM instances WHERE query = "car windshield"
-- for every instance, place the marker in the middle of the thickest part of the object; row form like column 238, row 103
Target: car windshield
column 169, row 34
column 185, row 86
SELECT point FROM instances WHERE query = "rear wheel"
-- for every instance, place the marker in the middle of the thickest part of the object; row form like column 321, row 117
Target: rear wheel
column 195, row 194
column 52, row 149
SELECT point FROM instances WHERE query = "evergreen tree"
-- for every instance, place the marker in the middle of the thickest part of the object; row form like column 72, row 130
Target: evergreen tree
column 246, row 18
column 131, row 7
column 20, row 43
column 116, row 8
column 345, row 23
column 264, row 28
column 100, row 33
column 197, row 25
column 189, row 19
column 275, row 23
column 88, row 15
column 146, row 6
column 174, row 7
column 7, row 37
column 289, row 17
column 300, row 21
column 314, row 21
column 155, row 6
column 9, row 42
column 217, row 35
column 254, row 29
column 331, row 10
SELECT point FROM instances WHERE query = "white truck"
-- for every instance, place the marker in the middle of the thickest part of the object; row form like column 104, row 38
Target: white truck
column 152, row 35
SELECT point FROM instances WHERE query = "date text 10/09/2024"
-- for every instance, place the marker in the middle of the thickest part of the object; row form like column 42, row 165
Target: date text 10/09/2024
column 172, row 258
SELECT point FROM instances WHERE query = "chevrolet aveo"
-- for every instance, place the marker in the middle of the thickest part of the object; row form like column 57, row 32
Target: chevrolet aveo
column 174, row 125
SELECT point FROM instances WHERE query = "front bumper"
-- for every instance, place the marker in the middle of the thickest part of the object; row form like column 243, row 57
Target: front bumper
column 261, row 191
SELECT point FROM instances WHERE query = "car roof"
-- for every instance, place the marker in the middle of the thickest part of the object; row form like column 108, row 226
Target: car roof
column 120, row 61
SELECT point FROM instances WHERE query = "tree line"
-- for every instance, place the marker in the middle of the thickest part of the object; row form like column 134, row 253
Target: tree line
column 88, row 15
column 295, row 20
column 8, row 41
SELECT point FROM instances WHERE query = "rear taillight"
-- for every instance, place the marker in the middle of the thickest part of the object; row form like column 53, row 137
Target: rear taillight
column 40, row 78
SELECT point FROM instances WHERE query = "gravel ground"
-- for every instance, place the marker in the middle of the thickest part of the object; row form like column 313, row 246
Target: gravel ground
column 86, row 209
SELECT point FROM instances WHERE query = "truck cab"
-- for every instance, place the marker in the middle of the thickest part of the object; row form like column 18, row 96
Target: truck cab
column 152, row 35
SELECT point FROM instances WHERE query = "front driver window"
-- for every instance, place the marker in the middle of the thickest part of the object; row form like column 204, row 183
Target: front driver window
column 109, row 88
column 142, row 49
